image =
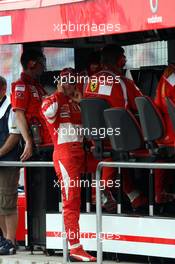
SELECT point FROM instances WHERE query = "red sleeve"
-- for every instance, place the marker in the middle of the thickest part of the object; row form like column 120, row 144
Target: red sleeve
column 159, row 93
column 164, row 89
column 50, row 106
column 20, row 96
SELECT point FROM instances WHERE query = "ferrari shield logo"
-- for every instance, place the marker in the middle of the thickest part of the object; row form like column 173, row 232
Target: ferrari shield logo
column 93, row 86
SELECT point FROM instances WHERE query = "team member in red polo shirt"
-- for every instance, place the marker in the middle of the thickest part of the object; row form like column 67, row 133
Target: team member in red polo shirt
column 165, row 89
column 110, row 84
column 26, row 97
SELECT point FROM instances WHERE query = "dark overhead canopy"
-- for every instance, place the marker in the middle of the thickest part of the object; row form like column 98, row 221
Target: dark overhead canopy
column 122, row 39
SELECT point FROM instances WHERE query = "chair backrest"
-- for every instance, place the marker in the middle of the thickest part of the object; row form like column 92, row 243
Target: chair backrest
column 130, row 137
column 148, row 79
column 150, row 119
column 145, row 81
column 92, row 112
column 171, row 110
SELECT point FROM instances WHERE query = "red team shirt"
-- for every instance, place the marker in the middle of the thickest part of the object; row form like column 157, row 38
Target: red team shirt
column 166, row 88
column 119, row 91
column 27, row 95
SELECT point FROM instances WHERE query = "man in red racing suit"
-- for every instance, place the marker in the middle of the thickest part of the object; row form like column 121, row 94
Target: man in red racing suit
column 63, row 118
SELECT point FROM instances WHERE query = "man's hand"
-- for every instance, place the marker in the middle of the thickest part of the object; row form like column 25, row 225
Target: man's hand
column 27, row 153
column 11, row 141
column 76, row 97
column 23, row 127
column 60, row 88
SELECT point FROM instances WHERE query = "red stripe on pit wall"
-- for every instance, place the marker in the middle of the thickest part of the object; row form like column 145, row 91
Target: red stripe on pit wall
column 139, row 239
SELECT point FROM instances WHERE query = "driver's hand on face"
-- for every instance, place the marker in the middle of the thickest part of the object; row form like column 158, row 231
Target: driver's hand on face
column 60, row 88
column 77, row 96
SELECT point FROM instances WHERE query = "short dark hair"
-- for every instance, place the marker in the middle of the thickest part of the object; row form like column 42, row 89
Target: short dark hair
column 111, row 53
column 94, row 57
column 28, row 55
column 2, row 81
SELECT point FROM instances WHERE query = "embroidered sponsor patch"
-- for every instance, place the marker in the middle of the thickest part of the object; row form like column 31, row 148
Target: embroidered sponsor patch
column 35, row 95
column 64, row 114
column 105, row 89
column 33, row 89
column 65, row 111
column 65, row 108
column 19, row 95
column 20, row 88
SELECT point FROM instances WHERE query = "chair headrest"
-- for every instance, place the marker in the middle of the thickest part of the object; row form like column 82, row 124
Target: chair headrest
column 92, row 111
column 130, row 137
column 150, row 118
column 171, row 110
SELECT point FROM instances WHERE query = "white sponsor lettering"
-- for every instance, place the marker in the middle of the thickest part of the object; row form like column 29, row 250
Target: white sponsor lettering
column 155, row 19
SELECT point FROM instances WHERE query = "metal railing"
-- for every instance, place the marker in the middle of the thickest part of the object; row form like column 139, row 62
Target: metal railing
column 100, row 166
column 21, row 164
column 120, row 165
column 26, row 164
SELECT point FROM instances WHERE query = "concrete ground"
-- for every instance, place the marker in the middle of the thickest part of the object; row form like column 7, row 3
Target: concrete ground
column 25, row 257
